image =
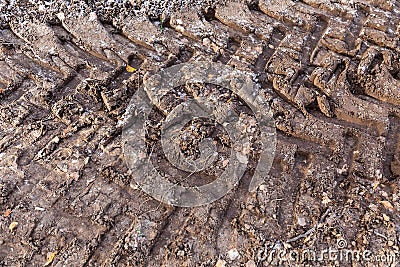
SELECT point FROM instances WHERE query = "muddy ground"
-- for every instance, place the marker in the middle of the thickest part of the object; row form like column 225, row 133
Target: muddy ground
column 328, row 69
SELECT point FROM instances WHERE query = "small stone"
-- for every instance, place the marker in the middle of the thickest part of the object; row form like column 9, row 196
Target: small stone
column 206, row 41
column 180, row 253
column 61, row 16
column 386, row 204
column 390, row 243
column 326, row 200
column 7, row 213
column 92, row 16
column 241, row 158
column 301, row 221
column 220, row 263
column 373, row 207
column 180, row 28
column 225, row 162
column 385, row 217
column 233, row 254
column 12, row 226
column 251, row 263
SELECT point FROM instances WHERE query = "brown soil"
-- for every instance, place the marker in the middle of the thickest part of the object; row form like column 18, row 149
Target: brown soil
column 330, row 70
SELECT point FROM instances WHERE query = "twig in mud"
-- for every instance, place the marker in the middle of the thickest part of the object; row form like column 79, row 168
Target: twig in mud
column 312, row 230
column 380, row 235
column 140, row 206
column 7, row 43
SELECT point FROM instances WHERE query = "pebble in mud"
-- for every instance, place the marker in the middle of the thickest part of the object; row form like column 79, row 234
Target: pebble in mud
column 251, row 263
column 220, row 263
column 233, row 254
